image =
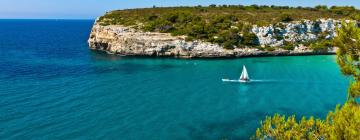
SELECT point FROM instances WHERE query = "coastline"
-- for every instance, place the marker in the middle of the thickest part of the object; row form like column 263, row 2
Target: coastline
column 264, row 54
column 128, row 41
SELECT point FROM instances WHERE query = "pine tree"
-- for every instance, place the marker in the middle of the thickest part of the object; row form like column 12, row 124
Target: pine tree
column 341, row 124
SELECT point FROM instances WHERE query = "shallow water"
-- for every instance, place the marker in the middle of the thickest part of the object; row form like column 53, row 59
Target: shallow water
column 53, row 87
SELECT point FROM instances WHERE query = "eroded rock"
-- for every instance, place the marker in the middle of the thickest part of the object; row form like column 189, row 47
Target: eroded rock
column 123, row 40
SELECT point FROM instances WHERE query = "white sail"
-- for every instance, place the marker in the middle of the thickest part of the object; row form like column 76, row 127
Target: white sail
column 244, row 74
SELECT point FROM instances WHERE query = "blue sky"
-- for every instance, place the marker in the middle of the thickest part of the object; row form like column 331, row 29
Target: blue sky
column 90, row 9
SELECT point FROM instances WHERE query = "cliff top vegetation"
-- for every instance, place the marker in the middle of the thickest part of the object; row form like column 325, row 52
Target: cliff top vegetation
column 253, row 14
column 227, row 25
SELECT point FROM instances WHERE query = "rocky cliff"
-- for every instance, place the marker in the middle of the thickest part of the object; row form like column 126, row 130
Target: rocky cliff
column 298, row 31
column 123, row 40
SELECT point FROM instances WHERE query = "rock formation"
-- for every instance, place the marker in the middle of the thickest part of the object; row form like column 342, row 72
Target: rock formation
column 298, row 31
column 117, row 39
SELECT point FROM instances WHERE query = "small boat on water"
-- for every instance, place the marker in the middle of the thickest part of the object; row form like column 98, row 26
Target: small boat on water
column 244, row 77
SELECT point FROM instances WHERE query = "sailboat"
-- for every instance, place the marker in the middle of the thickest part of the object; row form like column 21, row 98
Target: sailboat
column 244, row 77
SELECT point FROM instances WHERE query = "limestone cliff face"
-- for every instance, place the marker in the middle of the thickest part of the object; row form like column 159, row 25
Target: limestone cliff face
column 305, row 30
column 128, row 41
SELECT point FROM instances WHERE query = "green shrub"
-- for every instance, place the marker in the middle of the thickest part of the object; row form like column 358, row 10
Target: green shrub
column 228, row 45
column 345, row 10
column 177, row 32
column 173, row 17
column 355, row 16
column 249, row 39
column 104, row 24
column 189, row 38
column 212, row 5
column 286, row 17
column 152, row 17
column 321, row 7
column 278, row 37
column 150, row 26
column 270, row 49
column 165, row 28
column 321, row 45
column 289, row 47
column 218, row 39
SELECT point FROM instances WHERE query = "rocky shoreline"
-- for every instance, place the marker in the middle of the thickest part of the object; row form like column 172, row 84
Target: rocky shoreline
column 128, row 41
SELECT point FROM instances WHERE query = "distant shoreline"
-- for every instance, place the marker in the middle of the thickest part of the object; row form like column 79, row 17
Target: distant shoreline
column 212, row 58
column 127, row 41
column 226, row 31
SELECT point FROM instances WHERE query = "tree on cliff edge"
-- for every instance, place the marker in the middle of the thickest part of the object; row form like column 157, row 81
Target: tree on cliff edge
column 341, row 124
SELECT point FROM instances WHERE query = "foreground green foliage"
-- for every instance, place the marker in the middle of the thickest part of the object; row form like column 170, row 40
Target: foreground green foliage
column 227, row 25
column 348, row 42
column 341, row 124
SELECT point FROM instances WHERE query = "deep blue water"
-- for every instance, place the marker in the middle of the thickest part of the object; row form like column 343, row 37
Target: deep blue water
column 53, row 87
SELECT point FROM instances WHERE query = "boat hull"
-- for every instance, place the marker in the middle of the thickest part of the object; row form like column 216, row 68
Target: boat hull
column 244, row 81
column 236, row 81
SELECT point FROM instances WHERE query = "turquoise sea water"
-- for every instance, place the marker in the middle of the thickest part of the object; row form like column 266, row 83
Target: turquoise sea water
column 53, row 87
